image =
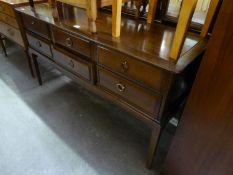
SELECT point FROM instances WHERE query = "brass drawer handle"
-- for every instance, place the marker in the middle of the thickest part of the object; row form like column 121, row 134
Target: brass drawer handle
column 69, row 42
column 125, row 66
column 38, row 44
column 120, row 87
column 71, row 64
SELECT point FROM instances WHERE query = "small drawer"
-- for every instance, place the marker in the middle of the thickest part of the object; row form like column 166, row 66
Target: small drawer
column 74, row 43
column 39, row 45
column 7, row 9
column 72, row 63
column 36, row 26
column 143, row 99
column 130, row 67
column 8, row 20
column 11, row 33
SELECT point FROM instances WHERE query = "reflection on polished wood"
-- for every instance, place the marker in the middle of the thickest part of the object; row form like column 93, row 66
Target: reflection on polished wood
column 151, row 45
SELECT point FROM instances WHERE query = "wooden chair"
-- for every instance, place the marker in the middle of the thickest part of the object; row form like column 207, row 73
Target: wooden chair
column 92, row 6
column 185, row 17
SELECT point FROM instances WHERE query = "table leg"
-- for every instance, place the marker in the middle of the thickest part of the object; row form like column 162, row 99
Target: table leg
column 34, row 58
column 3, row 46
column 29, row 63
column 154, row 140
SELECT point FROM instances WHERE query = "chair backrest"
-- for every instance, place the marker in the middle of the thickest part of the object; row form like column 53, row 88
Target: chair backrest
column 185, row 17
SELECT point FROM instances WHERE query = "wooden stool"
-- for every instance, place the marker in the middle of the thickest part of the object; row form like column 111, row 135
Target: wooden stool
column 3, row 45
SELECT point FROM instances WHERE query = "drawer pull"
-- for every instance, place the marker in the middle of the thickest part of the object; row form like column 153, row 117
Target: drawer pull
column 71, row 64
column 125, row 66
column 120, row 87
column 32, row 23
column 38, row 44
column 69, row 42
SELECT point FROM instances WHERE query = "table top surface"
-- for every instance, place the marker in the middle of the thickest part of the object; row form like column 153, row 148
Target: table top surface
column 148, row 43
column 18, row 2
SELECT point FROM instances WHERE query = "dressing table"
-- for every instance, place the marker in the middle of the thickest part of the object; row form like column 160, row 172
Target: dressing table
column 134, row 70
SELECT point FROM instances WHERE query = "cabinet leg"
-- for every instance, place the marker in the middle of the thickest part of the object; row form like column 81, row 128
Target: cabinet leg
column 154, row 140
column 29, row 64
column 3, row 46
column 34, row 58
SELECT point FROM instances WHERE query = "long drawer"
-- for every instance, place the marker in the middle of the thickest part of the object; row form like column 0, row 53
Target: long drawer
column 7, row 9
column 9, row 20
column 36, row 26
column 130, row 67
column 71, row 62
column 11, row 33
column 135, row 95
column 39, row 45
column 74, row 43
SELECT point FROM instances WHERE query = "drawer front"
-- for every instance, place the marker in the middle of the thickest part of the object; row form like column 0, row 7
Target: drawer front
column 77, row 66
column 39, row 45
column 144, row 99
column 131, row 67
column 36, row 26
column 9, row 20
column 6, row 9
column 74, row 43
column 11, row 33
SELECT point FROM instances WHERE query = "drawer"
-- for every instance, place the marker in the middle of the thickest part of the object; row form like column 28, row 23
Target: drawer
column 135, row 95
column 7, row 9
column 72, row 63
column 130, row 67
column 11, row 33
column 9, row 20
column 74, row 43
column 36, row 26
column 39, row 45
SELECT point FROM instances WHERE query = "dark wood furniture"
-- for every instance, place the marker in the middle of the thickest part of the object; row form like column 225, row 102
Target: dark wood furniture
column 203, row 143
column 9, row 23
column 134, row 70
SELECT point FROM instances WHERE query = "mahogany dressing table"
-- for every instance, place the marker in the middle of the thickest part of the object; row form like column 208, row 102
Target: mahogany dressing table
column 134, row 70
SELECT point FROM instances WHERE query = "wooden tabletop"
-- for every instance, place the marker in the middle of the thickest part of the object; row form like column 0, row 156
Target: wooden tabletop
column 150, row 44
